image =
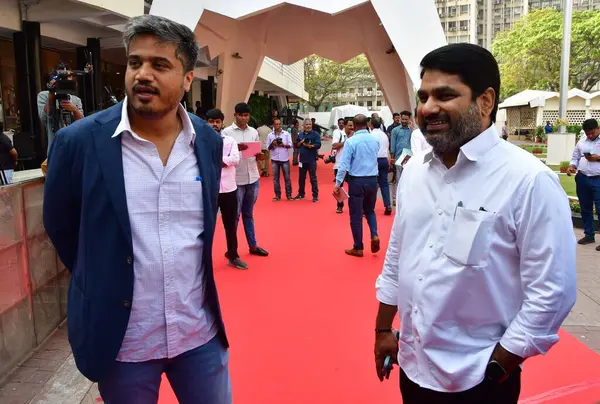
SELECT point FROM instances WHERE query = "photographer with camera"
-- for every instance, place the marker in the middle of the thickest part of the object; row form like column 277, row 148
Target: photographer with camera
column 59, row 107
column 279, row 142
column 309, row 142
column 338, row 141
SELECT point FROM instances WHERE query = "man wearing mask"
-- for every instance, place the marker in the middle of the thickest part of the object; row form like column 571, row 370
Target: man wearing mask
column 49, row 112
column 383, row 163
column 130, row 204
column 228, row 203
column 338, row 146
column 481, row 260
column 586, row 164
column 279, row 142
column 309, row 142
column 246, row 174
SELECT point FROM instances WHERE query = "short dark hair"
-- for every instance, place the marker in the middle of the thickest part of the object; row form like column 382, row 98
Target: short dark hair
column 243, row 108
column 589, row 124
column 167, row 31
column 276, row 118
column 406, row 113
column 475, row 65
column 341, row 119
column 215, row 113
column 395, row 114
column 348, row 120
column 376, row 122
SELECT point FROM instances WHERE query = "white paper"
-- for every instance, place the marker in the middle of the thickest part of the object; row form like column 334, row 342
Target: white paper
column 342, row 196
column 405, row 152
column 252, row 150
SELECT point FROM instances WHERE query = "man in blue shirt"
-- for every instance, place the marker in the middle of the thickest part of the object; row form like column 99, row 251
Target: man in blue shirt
column 359, row 161
column 309, row 142
column 548, row 128
column 400, row 140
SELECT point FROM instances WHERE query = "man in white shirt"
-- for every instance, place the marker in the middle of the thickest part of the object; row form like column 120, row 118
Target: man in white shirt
column 586, row 163
column 340, row 135
column 279, row 143
column 383, row 163
column 263, row 132
column 481, row 260
column 228, row 203
column 246, row 174
column 418, row 143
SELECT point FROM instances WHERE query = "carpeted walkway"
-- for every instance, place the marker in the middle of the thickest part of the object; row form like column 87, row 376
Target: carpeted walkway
column 301, row 321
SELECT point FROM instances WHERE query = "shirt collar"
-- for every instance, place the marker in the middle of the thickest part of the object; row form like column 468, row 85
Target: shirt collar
column 476, row 147
column 361, row 131
column 125, row 125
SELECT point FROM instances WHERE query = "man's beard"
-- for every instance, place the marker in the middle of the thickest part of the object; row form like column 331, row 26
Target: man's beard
column 146, row 111
column 466, row 127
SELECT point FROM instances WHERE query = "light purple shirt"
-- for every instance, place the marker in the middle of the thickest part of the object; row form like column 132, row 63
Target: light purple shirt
column 168, row 313
column 279, row 153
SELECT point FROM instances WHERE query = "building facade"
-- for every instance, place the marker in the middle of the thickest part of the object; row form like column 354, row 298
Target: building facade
column 479, row 21
column 365, row 94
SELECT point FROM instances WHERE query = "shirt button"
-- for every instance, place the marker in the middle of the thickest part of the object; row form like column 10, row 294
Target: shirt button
column 439, row 212
column 415, row 310
column 431, row 245
column 129, row 260
column 448, row 181
column 127, row 304
column 420, row 277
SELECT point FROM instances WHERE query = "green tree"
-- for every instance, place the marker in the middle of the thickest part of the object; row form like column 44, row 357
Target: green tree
column 324, row 78
column 529, row 54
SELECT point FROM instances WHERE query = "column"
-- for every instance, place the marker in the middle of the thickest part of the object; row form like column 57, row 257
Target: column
column 90, row 85
column 27, row 48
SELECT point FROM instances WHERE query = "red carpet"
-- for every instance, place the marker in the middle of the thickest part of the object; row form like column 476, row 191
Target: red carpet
column 301, row 321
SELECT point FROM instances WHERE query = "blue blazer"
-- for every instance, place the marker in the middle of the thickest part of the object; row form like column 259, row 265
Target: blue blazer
column 85, row 215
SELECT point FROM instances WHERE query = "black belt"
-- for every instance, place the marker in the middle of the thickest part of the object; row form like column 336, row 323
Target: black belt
column 589, row 176
column 367, row 177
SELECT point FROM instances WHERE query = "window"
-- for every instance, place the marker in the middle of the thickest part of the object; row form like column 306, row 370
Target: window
column 464, row 9
column 379, row 103
column 369, row 103
column 361, row 104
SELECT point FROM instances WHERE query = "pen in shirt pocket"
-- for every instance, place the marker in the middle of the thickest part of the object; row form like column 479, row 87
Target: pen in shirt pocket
column 458, row 205
column 198, row 178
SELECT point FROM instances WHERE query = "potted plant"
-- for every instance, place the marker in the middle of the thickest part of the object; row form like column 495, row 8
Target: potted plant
column 537, row 150
column 564, row 166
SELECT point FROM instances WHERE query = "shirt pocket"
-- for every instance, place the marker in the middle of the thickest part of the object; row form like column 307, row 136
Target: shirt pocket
column 469, row 237
column 191, row 196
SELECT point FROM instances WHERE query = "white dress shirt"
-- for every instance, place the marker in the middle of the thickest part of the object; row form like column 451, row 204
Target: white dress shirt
column 246, row 170
column 168, row 316
column 480, row 253
column 231, row 158
column 589, row 168
column 418, row 143
column 339, row 136
column 384, row 143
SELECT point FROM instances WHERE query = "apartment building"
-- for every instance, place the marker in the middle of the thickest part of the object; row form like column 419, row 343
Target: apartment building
column 479, row 21
column 365, row 94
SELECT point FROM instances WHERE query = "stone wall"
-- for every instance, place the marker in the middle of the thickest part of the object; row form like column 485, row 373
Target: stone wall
column 33, row 280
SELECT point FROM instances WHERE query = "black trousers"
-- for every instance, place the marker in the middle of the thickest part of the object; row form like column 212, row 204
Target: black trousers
column 335, row 171
column 506, row 393
column 228, row 204
column 311, row 168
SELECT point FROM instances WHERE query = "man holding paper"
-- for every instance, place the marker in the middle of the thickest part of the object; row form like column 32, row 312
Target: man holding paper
column 247, row 175
column 360, row 163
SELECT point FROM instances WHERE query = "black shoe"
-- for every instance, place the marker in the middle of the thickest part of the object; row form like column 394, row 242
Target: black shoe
column 315, row 199
column 258, row 251
column 388, row 211
column 299, row 197
column 290, row 198
column 237, row 263
column 339, row 210
column 598, row 248
column 276, row 199
column 586, row 240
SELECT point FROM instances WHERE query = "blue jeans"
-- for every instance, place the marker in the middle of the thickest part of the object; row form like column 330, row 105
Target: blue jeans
column 199, row 376
column 382, row 179
column 247, row 196
column 285, row 167
column 588, row 192
column 311, row 168
column 362, row 192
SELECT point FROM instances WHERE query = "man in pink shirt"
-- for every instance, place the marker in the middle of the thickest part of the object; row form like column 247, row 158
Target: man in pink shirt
column 228, row 203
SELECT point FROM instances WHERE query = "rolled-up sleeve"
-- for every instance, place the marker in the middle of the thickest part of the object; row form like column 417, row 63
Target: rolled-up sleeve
column 576, row 155
column 386, row 284
column 546, row 242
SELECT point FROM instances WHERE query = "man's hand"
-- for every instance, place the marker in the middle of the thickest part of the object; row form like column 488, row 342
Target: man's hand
column 260, row 156
column 224, row 165
column 506, row 359
column 336, row 191
column 592, row 157
column 385, row 345
column 405, row 160
column 571, row 170
column 68, row 106
column 242, row 146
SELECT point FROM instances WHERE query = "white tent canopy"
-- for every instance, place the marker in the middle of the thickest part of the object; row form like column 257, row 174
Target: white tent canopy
column 345, row 111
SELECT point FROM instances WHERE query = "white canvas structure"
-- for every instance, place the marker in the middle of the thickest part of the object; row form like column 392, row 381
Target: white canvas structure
column 345, row 111
column 242, row 33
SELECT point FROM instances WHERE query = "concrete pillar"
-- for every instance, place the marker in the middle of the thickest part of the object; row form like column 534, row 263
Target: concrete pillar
column 560, row 147
column 27, row 47
column 240, row 64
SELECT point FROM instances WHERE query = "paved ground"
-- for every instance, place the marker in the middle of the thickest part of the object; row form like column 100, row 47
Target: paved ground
column 50, row 375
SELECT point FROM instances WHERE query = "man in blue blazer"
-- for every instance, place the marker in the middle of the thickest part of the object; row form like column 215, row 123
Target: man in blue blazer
column 130, row 205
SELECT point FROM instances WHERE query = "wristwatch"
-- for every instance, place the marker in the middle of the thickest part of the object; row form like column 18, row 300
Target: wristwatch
column 495, row 372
